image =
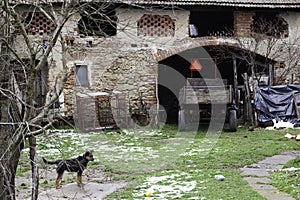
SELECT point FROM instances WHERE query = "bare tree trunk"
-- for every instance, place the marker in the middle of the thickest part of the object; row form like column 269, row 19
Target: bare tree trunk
column 34, row 167
column 6, row 192
column 14, row 159
column 5, row 189
column 8, row 167
column 3, row 158
column 248, row 100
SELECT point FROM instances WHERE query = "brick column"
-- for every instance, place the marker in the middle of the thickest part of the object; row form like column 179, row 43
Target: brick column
column 242, row 23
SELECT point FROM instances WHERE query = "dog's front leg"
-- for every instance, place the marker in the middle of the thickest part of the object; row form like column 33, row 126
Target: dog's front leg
column 58, row 180
column 79, row 179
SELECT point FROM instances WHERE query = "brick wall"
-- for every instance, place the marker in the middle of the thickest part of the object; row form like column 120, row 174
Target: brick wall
column 242, row 23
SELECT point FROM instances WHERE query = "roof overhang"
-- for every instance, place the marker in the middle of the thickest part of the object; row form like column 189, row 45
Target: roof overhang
column 228, row 3
column 287, row 4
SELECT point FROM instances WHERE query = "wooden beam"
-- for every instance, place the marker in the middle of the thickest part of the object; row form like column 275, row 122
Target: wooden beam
column 271, row 74
column 235, row 82
column 296, row 106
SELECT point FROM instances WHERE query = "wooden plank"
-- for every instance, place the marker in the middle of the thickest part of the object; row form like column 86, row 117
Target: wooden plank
column 205, row 95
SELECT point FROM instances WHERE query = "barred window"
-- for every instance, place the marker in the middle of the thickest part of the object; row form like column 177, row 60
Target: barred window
column 36, row 23
column 156, row 25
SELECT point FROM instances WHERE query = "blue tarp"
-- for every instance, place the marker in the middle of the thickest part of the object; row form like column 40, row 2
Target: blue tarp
column 277, row 102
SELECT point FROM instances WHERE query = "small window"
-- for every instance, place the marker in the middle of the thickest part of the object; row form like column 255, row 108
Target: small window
column 156, row 25
column 81, row 75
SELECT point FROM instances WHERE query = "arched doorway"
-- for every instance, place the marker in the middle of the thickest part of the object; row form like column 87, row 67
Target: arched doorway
column 231, row 63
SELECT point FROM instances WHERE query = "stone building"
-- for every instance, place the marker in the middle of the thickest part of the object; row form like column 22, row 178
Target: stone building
column 148, row 46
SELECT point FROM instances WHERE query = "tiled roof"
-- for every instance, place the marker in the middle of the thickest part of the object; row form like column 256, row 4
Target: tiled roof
column 233, row 3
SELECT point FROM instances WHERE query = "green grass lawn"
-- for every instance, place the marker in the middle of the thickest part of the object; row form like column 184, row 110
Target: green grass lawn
column 173, row 165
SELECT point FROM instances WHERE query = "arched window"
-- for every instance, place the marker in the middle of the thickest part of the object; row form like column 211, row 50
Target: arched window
column 156, row 25
column 98, row 20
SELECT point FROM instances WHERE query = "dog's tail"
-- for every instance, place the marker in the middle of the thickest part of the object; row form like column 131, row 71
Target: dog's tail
column 51, row 162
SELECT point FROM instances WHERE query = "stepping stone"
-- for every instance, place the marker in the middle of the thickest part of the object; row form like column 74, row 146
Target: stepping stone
column 254, row 172
column 257, row 174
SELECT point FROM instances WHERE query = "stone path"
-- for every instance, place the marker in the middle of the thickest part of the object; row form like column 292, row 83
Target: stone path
column 257, row 175
column 90, row 191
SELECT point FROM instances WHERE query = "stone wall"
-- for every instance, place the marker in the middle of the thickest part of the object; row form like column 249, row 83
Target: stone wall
column 114, row 69
column 130, row 73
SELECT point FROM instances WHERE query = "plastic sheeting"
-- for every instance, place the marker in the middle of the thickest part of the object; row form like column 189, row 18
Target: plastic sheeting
column 277, row 102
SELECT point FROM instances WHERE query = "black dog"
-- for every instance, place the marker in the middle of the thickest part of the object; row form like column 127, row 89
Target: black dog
column 71, row 165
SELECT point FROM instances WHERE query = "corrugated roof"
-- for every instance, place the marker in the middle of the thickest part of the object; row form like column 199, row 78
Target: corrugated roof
column 232, row 3
column 235, row 3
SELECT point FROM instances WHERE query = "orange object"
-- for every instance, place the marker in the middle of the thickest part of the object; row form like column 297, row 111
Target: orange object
column 195, row 65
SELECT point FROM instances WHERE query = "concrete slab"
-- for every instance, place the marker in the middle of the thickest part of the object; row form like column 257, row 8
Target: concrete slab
column 88, row 192
column 254, row 172
column 278, row 159
column 257, row 180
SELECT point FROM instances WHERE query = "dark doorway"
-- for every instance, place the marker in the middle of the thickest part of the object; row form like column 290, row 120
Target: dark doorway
column 172, row 76
column 172, row 73
column 215, row 62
